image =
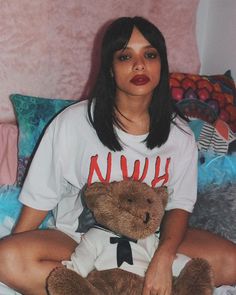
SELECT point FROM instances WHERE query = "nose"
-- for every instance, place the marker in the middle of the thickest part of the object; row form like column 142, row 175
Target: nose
column 147, row 217
column 139, row 64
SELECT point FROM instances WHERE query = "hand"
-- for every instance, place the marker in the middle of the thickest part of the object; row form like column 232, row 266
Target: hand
column 158, row 278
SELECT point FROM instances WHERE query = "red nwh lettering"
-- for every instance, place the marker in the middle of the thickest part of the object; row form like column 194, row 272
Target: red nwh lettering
column 136, row 170
column 164, row 177
column 136, row 175
column 95, row 168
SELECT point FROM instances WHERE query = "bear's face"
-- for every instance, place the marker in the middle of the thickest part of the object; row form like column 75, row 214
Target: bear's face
column 128, row 207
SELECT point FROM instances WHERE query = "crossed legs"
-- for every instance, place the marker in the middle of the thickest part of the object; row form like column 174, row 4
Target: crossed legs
column 220, row 253
column 27, row 259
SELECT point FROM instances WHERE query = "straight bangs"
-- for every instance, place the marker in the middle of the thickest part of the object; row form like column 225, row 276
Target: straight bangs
column 116, row 38
column 153, row 35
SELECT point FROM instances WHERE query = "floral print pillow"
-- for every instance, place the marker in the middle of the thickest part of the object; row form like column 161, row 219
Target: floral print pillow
column 207, row 97
column 33, row 115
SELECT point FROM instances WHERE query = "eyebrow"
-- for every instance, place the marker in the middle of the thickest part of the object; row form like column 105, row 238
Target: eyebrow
column 145, row 47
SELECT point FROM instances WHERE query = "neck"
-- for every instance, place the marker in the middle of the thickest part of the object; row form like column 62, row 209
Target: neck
column 133, row 114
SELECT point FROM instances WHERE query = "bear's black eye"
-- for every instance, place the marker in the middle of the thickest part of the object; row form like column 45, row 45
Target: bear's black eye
column 149, row 201
column 130, row 200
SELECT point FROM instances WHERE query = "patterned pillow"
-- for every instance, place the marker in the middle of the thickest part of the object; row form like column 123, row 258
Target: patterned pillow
column 217, row 138
column 194, row 108
column 205, row 97
column 33, row 115
column 217, row 153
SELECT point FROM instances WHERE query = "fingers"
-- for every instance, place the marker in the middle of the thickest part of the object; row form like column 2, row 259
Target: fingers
column 156, row 290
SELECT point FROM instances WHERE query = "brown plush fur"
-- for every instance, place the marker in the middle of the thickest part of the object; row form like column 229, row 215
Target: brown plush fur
column 135, row 210
column 127, row 203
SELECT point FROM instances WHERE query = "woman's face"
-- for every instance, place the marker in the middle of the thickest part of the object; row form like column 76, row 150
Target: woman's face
column 136, row 68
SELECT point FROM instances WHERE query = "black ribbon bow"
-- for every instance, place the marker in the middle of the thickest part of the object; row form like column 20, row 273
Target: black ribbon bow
column 123, row 251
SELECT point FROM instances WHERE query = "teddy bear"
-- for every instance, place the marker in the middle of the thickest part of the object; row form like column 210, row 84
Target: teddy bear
column 114, row 254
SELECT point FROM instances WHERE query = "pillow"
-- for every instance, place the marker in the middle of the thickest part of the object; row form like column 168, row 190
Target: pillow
column 215, row 211
column 217, row 153
column 217, row 138
column 217, row 94
column 32, row 114
column 217, row 170
column 215, row 208
column 10, row 209
column 194, row 108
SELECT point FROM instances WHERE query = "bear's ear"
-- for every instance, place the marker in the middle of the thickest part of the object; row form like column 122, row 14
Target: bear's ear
column 93, row 192
column 163, row 194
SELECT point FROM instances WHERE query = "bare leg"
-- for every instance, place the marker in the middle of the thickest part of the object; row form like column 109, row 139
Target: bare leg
column 27, row 258
column 220, row 253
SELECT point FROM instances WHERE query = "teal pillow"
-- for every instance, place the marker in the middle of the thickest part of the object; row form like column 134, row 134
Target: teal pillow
column 10, row 209
column 33, row 114
column 196, row 126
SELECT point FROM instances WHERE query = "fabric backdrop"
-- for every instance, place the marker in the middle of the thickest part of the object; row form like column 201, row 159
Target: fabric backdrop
column 47, row 46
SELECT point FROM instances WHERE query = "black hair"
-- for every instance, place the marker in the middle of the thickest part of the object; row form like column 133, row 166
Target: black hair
column 101, row 107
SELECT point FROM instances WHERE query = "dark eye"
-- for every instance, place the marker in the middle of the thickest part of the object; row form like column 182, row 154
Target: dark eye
column 149, row 201
column 151, row 55
column 124, row 57
column 130, row 200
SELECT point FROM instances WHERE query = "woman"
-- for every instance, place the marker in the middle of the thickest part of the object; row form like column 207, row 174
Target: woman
column 129, row 128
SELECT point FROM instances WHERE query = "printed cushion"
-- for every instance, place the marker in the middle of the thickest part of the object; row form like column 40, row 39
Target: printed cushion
column 216, row 203
column 33, row 115
column 217, row 153
column 194, row 108
column 218, row 138
column 205, row 97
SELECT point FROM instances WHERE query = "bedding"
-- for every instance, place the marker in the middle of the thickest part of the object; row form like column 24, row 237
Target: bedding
column 206, row 96
column 208, row 100
column 33, row 114
column 10, row 209
column 9, row 212
column 216, row 205
column 215, row 209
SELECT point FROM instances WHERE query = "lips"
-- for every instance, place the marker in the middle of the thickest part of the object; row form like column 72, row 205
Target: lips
column 140, row 80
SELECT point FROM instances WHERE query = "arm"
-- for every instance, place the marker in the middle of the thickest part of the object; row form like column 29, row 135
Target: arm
column 182, row 188
column 29, row 219
column 158, row 278
column 41, row 189
column 173, row 229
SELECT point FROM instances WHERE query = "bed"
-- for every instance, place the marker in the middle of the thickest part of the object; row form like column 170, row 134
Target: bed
column 34, row 91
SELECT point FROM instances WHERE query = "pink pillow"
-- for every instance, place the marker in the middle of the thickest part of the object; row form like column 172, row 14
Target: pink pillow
column 8, row 153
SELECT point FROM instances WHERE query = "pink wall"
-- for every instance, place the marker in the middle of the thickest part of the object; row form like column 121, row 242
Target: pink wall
column 46, row 45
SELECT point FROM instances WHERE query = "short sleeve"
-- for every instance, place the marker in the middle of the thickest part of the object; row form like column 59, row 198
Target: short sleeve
column 42, row 186
column 183, row 182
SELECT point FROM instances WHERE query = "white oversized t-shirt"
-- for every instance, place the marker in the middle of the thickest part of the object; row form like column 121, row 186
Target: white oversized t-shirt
column 70, row 155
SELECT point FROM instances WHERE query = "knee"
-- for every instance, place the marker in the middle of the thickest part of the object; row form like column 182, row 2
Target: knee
column 225, row 269
column 229, row 263
column 10, row 255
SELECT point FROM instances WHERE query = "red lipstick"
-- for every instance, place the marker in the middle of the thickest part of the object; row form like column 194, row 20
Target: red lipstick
column 140, row 80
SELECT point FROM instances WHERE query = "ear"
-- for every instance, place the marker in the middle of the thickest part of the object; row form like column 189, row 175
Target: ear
column 163, row 194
